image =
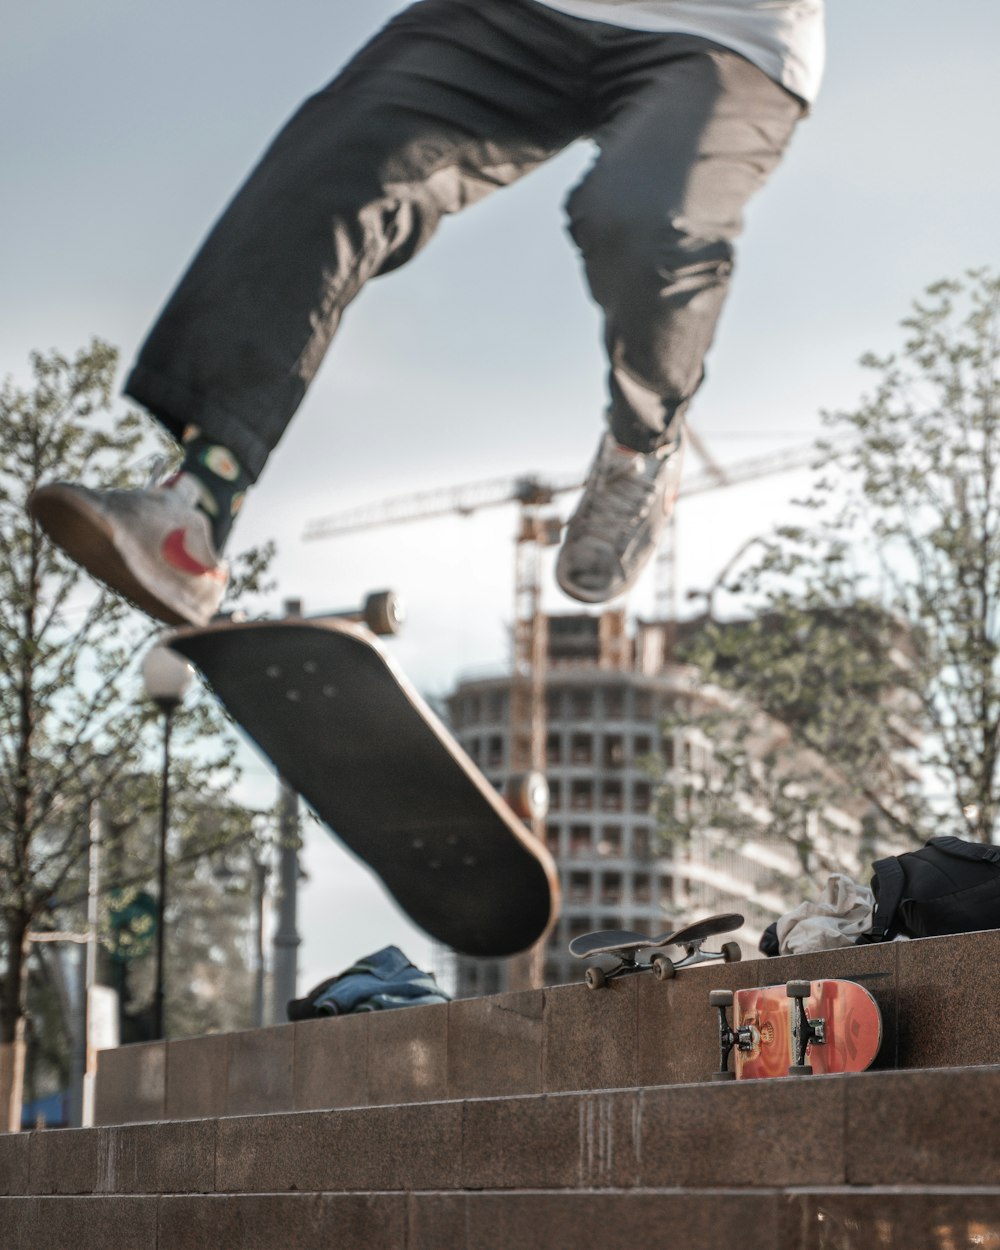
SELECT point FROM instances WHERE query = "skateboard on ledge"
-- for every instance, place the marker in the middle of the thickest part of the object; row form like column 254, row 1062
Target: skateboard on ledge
column 344, row 727
column 638, row 952
column 796, row 1029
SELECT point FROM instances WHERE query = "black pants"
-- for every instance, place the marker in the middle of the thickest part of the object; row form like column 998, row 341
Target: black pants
column 451, row 100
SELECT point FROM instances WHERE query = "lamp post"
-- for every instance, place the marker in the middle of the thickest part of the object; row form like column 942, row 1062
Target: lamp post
column 727, row 568
column 166, row 677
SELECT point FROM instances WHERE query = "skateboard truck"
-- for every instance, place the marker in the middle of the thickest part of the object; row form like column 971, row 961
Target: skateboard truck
column 805, row 1032
column 728, row 1036
column 664, row 968
column 382, row 612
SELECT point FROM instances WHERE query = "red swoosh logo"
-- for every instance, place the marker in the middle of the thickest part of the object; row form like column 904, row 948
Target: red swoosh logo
column 175, row 552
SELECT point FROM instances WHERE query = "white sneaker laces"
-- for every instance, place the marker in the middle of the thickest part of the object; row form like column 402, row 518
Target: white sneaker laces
column 621, row 496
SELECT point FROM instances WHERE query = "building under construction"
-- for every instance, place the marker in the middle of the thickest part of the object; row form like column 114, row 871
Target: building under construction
column 606, row 695
column 584, row 702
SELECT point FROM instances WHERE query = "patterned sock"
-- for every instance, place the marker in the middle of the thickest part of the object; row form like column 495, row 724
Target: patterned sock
column 222, row 479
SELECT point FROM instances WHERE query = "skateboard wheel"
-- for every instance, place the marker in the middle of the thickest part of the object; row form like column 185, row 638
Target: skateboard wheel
column 528, row 795
column 383, row 612
column 800, row 1069
column 798, row 989
column 663, row 968
column 723, row 1076
column 720, row 998
column 596, row 978
column 732, row 952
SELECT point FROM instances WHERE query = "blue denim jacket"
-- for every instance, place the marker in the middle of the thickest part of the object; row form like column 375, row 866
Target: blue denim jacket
column 378, row 982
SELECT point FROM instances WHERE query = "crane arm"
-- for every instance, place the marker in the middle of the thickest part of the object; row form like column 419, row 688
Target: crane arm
column 753, row 467
column 460, row 500
column 533, row 490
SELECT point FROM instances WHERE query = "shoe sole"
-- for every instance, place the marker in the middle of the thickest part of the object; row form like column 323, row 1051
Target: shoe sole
column 582, row 595
column 88, row 539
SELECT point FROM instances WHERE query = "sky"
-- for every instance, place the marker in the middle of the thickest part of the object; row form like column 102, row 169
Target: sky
column 129, row 124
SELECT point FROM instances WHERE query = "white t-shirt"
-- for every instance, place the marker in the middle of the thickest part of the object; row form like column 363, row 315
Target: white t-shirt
column 784, row 37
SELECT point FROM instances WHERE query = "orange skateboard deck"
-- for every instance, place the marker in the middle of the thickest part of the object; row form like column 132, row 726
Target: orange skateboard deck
column 799, row 1029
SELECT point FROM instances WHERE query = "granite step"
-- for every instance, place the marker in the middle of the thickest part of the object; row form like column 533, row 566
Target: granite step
column 871, row 1161
column 935, row 1127
column 546, row 1120
column 936, row 997
column 877, row 1218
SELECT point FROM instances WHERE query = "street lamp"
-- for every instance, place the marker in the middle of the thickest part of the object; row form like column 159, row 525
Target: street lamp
column 166, row 677
column 727, row 568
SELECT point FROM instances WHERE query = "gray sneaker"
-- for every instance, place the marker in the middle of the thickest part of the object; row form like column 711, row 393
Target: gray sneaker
column 626, row 502
column 153, row 546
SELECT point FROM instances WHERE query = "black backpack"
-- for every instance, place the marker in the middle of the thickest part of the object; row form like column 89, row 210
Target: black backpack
column 948, row 886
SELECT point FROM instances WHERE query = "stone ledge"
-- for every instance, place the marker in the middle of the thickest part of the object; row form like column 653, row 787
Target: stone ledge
column 931, row 1127
column 704, row 1219
column 637, row 1033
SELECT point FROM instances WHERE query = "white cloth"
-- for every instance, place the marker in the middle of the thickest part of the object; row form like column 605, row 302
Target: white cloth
column 785, row 38
column 843, row 913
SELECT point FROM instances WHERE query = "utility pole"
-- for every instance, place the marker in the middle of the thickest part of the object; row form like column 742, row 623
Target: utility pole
column 102, row 1030
column 259, row 894
column 286, row 938
column 94, row 1011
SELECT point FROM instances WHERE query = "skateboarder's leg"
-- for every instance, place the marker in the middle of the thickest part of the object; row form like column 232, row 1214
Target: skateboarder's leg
column 691, row 131
column 453, row 99
column 686, row 145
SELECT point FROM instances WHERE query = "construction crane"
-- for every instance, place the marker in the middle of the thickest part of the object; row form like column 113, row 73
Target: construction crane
column 539, row 527
column 533, row 491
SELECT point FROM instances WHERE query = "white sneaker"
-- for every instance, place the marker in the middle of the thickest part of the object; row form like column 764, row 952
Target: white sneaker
column 626, row 502
column 153, row 546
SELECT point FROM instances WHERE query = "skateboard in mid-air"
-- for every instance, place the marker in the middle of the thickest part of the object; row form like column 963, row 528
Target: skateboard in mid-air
column 796, row 1029
column 344, row 728
column 638, row 952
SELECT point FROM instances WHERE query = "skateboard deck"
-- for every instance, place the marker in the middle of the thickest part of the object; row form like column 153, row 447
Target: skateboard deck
column 345, row 729
column 801, row 1028
column 629, row 947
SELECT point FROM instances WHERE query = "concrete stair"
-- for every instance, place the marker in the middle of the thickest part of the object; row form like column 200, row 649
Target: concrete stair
column 558, row 1118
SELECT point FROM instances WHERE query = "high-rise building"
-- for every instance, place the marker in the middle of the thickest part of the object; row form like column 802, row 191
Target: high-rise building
column 607, row 695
